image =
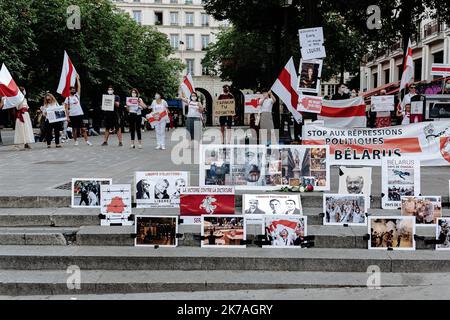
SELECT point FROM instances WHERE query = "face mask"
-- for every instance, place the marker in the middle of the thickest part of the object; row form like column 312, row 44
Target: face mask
column 157, row 96
column 72, row 92
column 346, row 91
column 447, row 86
column 110, row 91
column 194, row 98
column 134, row 95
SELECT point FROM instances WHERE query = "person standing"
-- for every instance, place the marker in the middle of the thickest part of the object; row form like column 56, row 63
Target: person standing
column 225, row 120
column 112, row 119
column 383, row 118
column 265, row 111
column 135, row 118
column 194, row 116
column 76, row 114
column 50, row 101
column 342, row 94
column 160, row 110
column 406, row 105
column 446, row 89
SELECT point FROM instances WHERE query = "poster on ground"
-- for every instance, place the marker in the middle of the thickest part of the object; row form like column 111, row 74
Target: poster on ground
column 86, row 192
column 284, row 231
column 223, row 231
column 156, row 231
column 356, row 181
column 395, row 233
column 344, row 209
column 443, row 233
column 255, row 206
column 115, row 204
column 426, row 209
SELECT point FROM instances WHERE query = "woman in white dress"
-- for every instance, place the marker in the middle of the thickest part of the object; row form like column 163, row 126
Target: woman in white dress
column 265, row 111
column 160, row 110
column 23, row 134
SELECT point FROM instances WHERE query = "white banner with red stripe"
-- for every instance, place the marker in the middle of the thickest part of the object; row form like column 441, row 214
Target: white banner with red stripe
column 9, row 90
column 439, row 69
column 251, row 103
column 350, row 113
column 428, row 142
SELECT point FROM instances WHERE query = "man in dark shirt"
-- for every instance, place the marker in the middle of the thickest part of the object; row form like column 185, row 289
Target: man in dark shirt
column 113, row 119
column 225, row 120
column 342, row 94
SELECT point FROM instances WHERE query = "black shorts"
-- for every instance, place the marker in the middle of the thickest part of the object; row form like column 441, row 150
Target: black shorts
column 111, row 121
column 77, row 122
column 226, row 121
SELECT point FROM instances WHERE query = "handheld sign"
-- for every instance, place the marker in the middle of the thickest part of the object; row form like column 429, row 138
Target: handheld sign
column 311, row 43
column 226, row 107
column 56, row 114
column 382, row 103
column 133, row 104
column 310, row 104
column 108, row 102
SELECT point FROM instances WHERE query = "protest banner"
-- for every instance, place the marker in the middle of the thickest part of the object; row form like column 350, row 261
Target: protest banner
column 428, row 142
column 108, row 102
column 439, row 69
column 310, row 104
column 115, row 204
column 311, row 43
column 310, row 73
column 382, row 103
column 133, row 104
column 56, row 114
column 251, row 103
column 226, row 107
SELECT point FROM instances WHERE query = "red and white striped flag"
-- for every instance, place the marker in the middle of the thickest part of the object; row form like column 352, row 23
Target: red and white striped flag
column 285, row 88
column 68, row 76
column 9, row 90
column 350, row 113
column 408, row 68
column 251, row 103
column 187, row 86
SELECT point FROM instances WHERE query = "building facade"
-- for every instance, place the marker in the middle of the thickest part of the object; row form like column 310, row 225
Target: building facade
column 431, row 44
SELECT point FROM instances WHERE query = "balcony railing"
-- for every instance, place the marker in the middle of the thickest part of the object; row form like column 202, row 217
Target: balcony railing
column 432, row 28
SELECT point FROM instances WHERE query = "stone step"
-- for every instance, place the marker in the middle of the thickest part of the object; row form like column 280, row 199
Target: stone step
column 196, row 259
column 54, row 282
column 37, row 236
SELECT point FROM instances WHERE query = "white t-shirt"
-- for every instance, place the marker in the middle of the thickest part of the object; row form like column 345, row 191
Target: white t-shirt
column 159, row 107
column 267, row 105
column 194, row 110
column 74, row 105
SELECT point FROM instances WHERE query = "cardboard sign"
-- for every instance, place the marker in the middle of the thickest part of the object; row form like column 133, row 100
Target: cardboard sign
column 108, row 102
column 382, row 103
column 133, row 104
column 226, row 107
column 56, row 114
column 310, row 104
column 311, row 43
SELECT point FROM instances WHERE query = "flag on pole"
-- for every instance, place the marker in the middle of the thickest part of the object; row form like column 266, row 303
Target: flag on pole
column 187, row 86
column 68, row 76
column 350, row 113
column 9, row 89
column 408, row 68
column 285, row 88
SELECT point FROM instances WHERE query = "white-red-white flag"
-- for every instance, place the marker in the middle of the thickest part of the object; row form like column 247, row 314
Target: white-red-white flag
column 251, row 104
column 350, row 113
column 408, row 68
column 9, row 89
column 187, row 85
column 285, row 88
column 68, row 76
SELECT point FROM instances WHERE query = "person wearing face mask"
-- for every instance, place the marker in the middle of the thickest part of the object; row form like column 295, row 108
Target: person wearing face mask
column 446, row 87
column 225, row 120
column 160, row 110
column 135, row 118
column 23, row 132
column 112, row 119
column 406, row 105
column 342, row 94
column 75, row 114
column 50, row 101
column 194, row 116
column 265, row 104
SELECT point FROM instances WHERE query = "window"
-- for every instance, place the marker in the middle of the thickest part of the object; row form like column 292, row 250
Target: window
column 418, row 69
column 190, row 66
column 174, row 18
column 174, row 1
column 189, row 42
column 375, row 80
column 387, row 76
column 205, row 71
column 205, row 41
column 137, row 16
column 158, row 1
column 189, row 18
column 158, row 18
column 205, row 20
column 400, row 71
column 188, row 2
column 174, row 41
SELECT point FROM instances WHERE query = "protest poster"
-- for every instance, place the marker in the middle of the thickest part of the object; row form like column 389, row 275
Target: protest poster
column 115, row 204
column 284, row 231
column 426, row 209
column 263, row 168
column 400, row 177
column 56, row 114
column 311, row 104
column 437, row 107
column 86, row 192
column 393, row 233
column 310, row 73
column 252, row 103
column 198, row 201
column 428, row 142
column 159, row 189
column 382, row 103
column 223, row 231
column 344, row 209
column 108, row 101
column 133, row 104
column 443, row 234
column 311, row 43
column 356, row 181
column 254, row 206
column 156, row 231
column 226, row 107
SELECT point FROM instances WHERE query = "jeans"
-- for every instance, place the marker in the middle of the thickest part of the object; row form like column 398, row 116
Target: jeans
column 193, row 126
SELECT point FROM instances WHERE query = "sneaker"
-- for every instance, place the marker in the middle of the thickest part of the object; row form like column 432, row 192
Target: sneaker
column 76, row 143
column 120, row 144
column 58, row 146
column 158, row 147
column 163, row 147
column 89, row 143
column 49, row 146
column 132, row 146
column 140, row 146
column 104, row 144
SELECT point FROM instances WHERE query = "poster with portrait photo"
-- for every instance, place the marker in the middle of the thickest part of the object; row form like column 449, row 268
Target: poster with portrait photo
column 159, row 189
column 215, row 163
column 56, row 114
column 400, row 178
column 396, row 233
column 284, row 231
column 198, row 201
column 254, row 206
column 310, row 73
column 356, row 181
column 86, row 192
column 247, row 168
column 223, row 231
column 342, row 209
column 154, row 231
column 443, row 234
column 426, row 209
column 115, row 202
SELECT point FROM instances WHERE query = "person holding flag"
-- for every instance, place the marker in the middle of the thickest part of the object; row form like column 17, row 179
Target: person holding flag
column 160, row 112
column 194, row 115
